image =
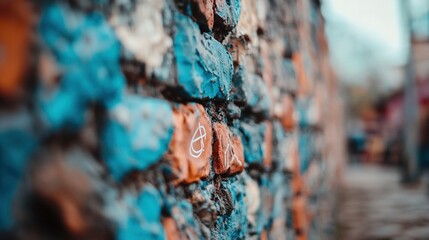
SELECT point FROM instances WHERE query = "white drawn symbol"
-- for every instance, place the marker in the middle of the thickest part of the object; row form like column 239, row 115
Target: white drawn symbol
column 201, row 130
column 229, row 155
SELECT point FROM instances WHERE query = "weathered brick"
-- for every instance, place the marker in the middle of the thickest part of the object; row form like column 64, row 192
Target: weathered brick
column 136, row 134
column 16, row 21
column 284, row 111
column 252, row 200
column 251, row 91
column 142, row 33
column 90, row 70
column 226, row 14
column 300, row 221
column 143, row 220
column 304, row 84
column 284, row 145
column 253, row 138
column 232, row 219
column 268, row 154
column 279, row 189
column 204, row 67
column 66, row 181
column 228, row 156
column 248, row 23
column 15, row 130
column 191, row 145
column 171, row 229
column 182, row 213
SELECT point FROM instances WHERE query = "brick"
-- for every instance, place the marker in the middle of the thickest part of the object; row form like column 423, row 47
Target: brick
column 268, row 154
column 266, row 196
column 16, row 21
column 66, row 190
column 232, row 220
column 284, row 111
column 136, row 134
column 252, row 200
column 228, row 155
column 251, row 91
column 66, row 181
column 202, row 11
column 191, row 145
column 262, row 9
column 266, row 63
column 204, row 67
column 226, row 14
column 204, row 207
column 83, row 80
column 283, row 148
column 306, row 148
column 304, row 84
column 253, row 138
column 248, row 22
column 279, row 189
column 300, row 221
column 16, row 129
column 284, row 76
column 182, row 212
column 276, row 20
column 171, row 229
column 315, row 108
column 142, row 33
column 144, row 217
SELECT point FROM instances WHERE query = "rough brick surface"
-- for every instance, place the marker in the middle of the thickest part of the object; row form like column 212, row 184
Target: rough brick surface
column 150, row 119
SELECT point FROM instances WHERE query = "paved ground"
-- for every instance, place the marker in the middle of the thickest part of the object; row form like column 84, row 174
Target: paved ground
column 374, row 206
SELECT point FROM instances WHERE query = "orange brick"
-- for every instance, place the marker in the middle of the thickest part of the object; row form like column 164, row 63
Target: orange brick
column 171, row 229
column 300, row 222
column 190, row 148
column 286, row 113
column 227, row 151
column 16, row 20
column 268, row 158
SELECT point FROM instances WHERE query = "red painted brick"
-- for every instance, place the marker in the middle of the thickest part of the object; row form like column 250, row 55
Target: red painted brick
column 190, row 148
column 228, row 155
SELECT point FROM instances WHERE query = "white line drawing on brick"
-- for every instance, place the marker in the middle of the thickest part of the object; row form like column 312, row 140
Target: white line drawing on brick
column 229, row 151
column 200, row 138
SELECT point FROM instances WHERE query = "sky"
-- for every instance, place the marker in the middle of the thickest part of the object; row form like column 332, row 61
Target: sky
column 379, row 21
column 367, row 38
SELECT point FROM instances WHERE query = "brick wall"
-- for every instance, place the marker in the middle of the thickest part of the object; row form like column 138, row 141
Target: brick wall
column 154, row 119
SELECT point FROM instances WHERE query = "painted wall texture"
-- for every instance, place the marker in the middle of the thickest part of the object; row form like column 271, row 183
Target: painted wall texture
column 164, row 119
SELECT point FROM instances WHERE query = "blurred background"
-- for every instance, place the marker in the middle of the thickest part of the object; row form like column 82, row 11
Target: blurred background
column 380, row 52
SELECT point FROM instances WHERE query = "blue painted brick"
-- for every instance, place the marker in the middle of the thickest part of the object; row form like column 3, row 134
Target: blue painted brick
column 136, row 134
column 17, row 143
column 87, row 52
column 253, row 138
column 250, row 90
column 144, row 219
column 204, row 66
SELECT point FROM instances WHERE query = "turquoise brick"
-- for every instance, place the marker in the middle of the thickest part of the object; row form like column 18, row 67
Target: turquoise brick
column 136, row 134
